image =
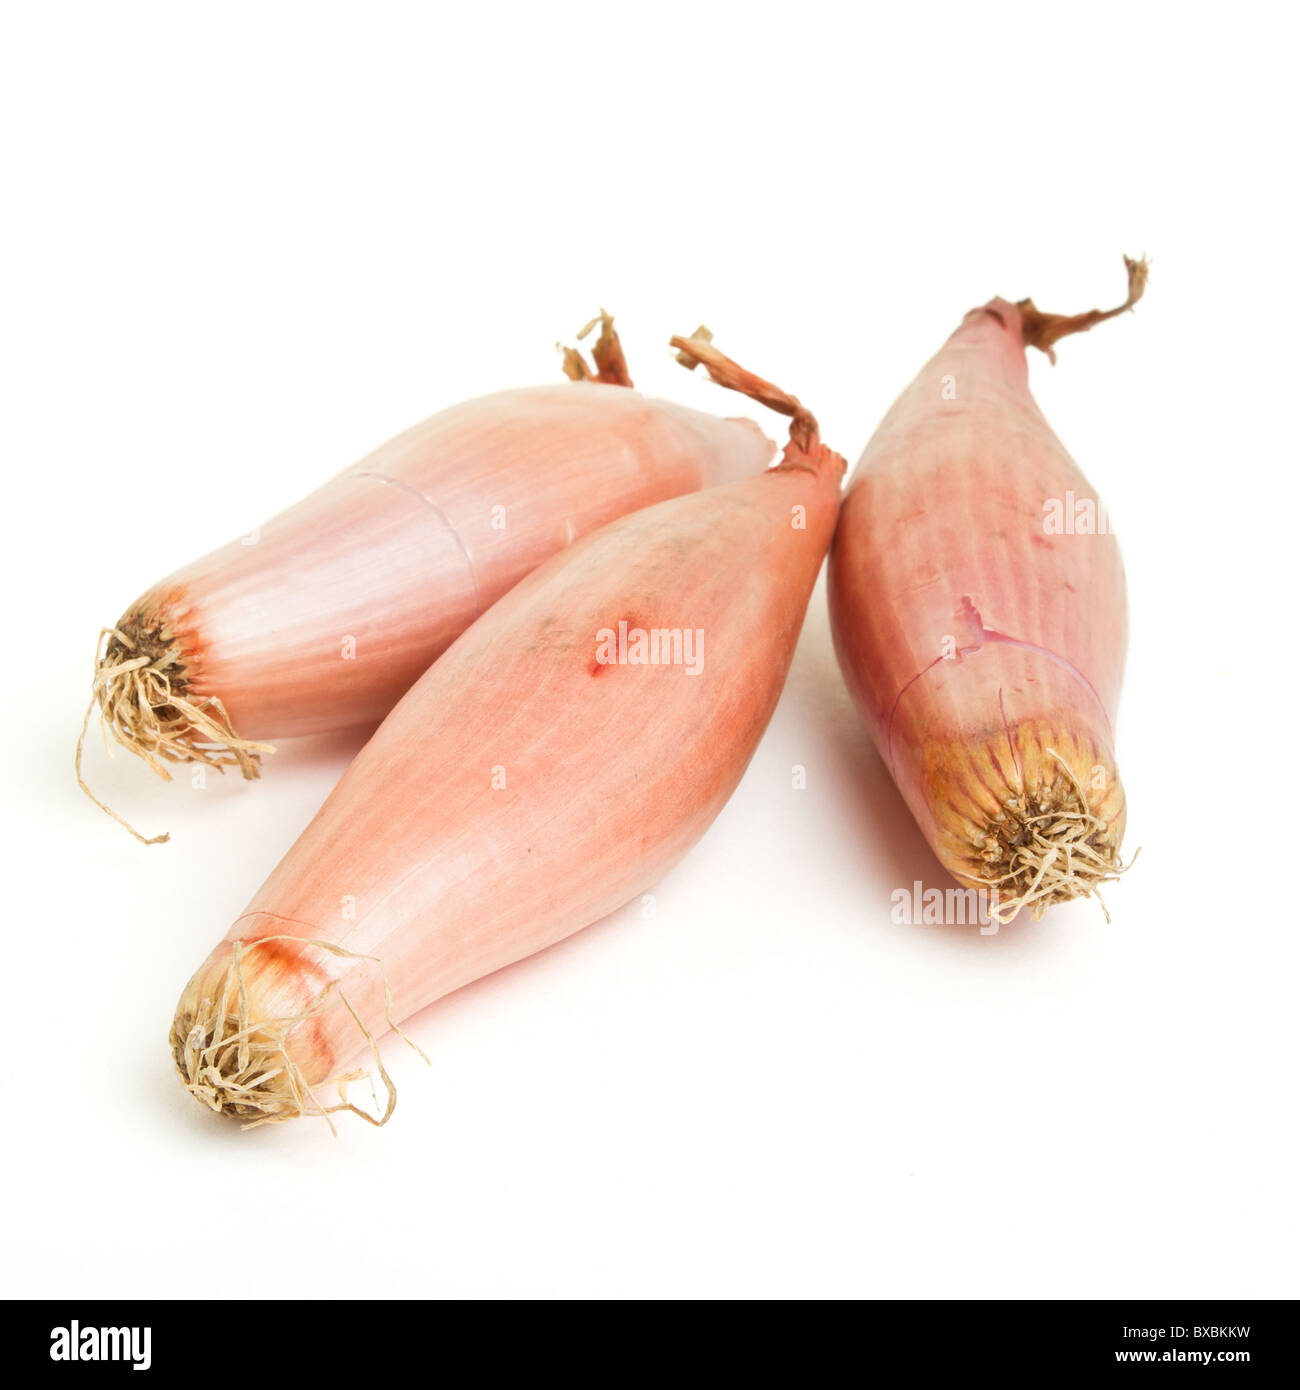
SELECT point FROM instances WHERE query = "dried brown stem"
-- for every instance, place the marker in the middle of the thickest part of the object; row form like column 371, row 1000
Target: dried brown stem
column 698, row 351
column 1042, row 330
column 607, row 354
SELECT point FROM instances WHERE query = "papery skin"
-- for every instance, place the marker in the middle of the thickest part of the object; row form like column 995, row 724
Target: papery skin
column 611, row 772
column 941, row 545
column 325, row 615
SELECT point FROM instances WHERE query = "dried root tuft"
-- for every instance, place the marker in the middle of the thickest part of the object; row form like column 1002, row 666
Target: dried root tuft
column 240, row 1066
column 142, row 689
column 1049, row 848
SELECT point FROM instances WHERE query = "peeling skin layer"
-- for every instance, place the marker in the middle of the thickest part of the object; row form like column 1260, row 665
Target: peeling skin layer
column 972, row 639
column 986, row 635
column 447, row 524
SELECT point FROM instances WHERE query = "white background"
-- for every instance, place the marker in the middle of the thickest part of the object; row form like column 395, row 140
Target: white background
column 242, row 246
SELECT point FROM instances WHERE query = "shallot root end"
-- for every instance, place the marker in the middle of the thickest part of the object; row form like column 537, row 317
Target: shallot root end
column 241, row 1067
column 141, row 687
column 1050, row 848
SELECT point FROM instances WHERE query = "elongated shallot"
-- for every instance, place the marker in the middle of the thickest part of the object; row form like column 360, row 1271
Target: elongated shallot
column 554, row 763
column 322, row 618
column 981, row 631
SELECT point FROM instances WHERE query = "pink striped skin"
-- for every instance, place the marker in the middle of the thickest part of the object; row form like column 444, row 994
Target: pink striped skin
column 972, row 639
column 523, row 788
column 402, row 551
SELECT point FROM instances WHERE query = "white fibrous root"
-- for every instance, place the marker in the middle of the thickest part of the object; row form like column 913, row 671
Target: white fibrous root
column 240, row 1065
column 145, row 701
column 1049, row 847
